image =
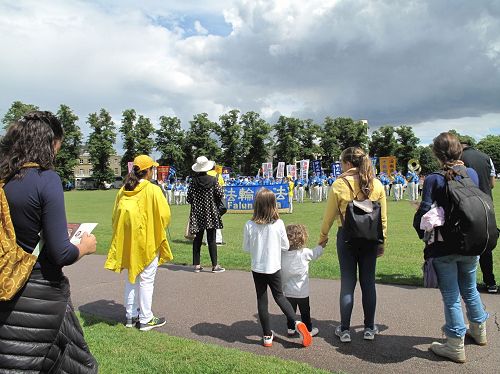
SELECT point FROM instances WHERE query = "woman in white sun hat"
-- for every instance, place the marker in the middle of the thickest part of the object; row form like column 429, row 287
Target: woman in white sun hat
column 204, row 194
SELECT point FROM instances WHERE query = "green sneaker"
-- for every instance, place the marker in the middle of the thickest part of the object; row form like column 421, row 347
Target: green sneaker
column 153, row 323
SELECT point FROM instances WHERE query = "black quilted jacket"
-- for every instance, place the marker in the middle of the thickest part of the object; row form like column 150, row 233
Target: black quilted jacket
column 40, row 333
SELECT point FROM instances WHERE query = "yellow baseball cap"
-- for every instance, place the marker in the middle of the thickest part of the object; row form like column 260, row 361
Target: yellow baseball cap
column 144, row 162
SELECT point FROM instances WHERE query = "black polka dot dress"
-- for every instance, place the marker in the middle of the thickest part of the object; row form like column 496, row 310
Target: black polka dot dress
column 203, row 194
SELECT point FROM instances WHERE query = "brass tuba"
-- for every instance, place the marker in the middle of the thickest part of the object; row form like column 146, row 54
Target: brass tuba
column 414, row 166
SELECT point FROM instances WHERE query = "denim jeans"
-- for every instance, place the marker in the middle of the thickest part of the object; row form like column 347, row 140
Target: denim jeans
column 457, row 277
column 362, row 255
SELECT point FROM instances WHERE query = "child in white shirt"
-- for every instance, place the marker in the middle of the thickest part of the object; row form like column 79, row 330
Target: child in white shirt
column 295, row 275
column 264, row 236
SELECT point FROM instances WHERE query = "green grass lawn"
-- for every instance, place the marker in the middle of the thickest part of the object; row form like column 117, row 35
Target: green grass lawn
column 401, row 263
column 121, row 350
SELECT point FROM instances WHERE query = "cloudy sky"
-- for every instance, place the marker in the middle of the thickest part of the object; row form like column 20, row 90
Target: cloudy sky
column 434, row 65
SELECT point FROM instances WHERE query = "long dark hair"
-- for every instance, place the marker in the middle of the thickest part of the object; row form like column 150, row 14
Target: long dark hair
column 359, row 159
column 30, row 139
column 132, row 179
column 448, row 150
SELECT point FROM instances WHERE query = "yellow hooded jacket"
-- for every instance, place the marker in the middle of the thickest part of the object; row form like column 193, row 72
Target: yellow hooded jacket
column 139, row 220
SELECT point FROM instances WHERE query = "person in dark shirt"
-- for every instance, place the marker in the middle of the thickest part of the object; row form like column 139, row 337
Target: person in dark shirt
column 482, row 164
column 456, row 272
column 35, row 196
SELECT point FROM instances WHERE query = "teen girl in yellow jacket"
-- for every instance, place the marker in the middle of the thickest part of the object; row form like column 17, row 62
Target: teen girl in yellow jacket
column 358, row 172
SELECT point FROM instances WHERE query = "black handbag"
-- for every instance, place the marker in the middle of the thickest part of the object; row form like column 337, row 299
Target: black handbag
column 221, row 207
column 362, row 220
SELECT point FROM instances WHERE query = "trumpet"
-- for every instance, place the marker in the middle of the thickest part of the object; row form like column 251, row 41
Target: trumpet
column 414, row 166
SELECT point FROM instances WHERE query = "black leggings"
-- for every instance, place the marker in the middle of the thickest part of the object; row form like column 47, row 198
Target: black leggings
column 305, row 311
column 274, row 282
column 212, row 246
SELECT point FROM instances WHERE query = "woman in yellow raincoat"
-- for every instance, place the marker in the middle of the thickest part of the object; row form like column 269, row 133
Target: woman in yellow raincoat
column 139, row 243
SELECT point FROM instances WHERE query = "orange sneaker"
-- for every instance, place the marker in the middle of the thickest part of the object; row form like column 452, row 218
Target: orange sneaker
column 301, row 328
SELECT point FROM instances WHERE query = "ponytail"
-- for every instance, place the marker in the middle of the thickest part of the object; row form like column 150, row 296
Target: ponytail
column 448, row 150
column 132, row 179
column 359, row 159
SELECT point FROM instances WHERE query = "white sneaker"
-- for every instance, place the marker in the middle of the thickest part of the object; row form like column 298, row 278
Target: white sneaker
column 267, row 341
column 291, row 332
column 369, row 334
column 314, row 331
column 345, row 336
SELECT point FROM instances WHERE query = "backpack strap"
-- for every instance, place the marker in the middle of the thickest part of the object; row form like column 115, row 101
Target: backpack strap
column 350, row 187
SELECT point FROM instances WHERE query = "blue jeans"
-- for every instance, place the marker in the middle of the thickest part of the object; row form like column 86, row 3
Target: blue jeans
column 352, row 256
column 457, row 277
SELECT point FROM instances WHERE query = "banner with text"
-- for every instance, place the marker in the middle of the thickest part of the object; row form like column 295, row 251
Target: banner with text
column 316, row 166
column 336, row 169
column 292, row 171
column 163, row 172
column 304, row 169
column 241, row 198
column 267, row 169
column 280, row 172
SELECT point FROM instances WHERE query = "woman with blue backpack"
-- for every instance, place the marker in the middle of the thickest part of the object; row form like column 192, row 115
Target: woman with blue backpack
column 454, row 260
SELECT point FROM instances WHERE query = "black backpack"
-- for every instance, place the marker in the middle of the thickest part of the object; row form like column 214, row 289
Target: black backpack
column 363, row 219
column 470, row 224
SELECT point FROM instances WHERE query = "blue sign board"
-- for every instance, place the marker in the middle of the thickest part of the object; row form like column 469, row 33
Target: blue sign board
column 241, row 198
column 316, row 164
column 336, row 169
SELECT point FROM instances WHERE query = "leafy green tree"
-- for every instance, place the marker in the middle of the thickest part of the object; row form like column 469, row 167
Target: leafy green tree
column 330, row 140
column 309, row 140
column 230, row 132
column 144, row 132
column 68, row 155
column 491, row 146
column 407, row 146
column 383, row 142
column 351, row 133
column 16, row 111
column 256, row 142
column 287, row 147
column 428, row 161
column 128, row 135
column 100, row 145
column 199, row 140
column 170, row 139
column 464, row 138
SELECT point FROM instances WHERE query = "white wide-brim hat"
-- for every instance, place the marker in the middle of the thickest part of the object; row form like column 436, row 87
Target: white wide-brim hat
column 203, row 164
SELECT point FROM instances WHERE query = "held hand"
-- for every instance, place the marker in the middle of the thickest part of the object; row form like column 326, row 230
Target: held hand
column 323, row 242
column 88, row 244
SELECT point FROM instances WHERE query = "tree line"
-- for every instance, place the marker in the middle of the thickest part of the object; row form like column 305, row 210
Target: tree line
column 241, row 141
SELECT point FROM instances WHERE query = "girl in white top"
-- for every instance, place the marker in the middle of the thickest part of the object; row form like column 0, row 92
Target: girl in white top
column 295, row 275
column 264, row 236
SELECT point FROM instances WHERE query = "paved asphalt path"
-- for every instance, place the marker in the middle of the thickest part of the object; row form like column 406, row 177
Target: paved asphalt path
column 222, row 309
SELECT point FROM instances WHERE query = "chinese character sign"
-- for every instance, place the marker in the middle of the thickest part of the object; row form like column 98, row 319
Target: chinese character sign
column 336, row 169
column 280, row 172
column 130, row 165
column 316, row 165
column 291, row 170
column 163, row 172
column 241, row 198
column 388, row 164
column 304, row 169
column 267, row 169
